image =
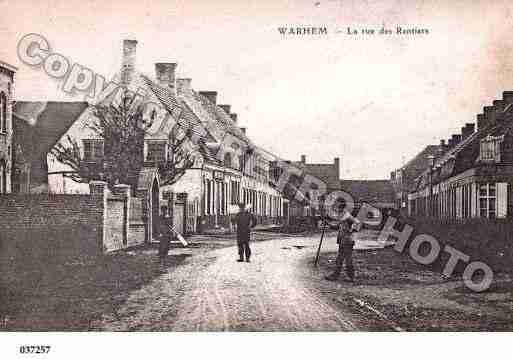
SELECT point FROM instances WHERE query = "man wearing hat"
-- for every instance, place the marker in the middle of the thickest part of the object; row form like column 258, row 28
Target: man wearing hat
column 245, row 221
column 347, row 226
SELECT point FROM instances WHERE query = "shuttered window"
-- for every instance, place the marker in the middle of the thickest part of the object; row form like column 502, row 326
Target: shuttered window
column 502, row 200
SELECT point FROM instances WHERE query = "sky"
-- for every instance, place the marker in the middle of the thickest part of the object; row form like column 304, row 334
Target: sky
column 374, row 101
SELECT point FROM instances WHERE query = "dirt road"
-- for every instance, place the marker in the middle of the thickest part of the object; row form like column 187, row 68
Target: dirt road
column 213, row 292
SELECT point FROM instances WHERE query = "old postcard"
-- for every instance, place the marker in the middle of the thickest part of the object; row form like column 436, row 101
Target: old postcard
column 254, row 166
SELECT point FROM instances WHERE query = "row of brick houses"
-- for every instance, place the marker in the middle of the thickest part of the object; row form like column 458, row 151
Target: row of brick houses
column 471, row 175
column 403, row 180
column 313, row 176
column 228, row 166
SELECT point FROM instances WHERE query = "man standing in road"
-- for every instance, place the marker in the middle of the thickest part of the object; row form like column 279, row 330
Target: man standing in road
column 245, row 221
column 347, row 226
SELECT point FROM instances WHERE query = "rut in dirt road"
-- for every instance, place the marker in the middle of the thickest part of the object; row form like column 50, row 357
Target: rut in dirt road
column 265, row 294
column 262, row 295
column 213, row 292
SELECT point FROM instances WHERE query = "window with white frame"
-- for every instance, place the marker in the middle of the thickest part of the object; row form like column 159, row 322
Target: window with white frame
column 93, row 150
column 156, row 151
column 490, row 148
column 487, row 200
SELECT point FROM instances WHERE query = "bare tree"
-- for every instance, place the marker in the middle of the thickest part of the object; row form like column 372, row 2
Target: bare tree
column 180, row 156
column 122, row 127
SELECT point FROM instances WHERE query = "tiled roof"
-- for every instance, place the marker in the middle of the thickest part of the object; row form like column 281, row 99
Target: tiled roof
column 189, row 120
column 325, row 172
column 165, row 95
column 186, row 117
column 38, row 126
column 497, row 129
column 221, row 118
column 370, row 191
column 420, row 162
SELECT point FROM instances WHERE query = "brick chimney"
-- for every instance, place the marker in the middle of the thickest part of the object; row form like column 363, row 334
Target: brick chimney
column 128, row 61
column 336, row 163
column 499, row 105
column 226, row 108
column 183, row 85
column 481, row 122
column 507, row 97
column 456, row 138
column 467, row 130
column 450, row 143
column 303, row 158
column 165, row 73
column 234, row 117
column 211, row 95
column 489, row 113
column 443, row 145
column 243, row 129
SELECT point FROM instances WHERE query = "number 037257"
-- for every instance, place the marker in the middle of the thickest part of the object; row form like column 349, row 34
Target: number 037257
column 34, row 349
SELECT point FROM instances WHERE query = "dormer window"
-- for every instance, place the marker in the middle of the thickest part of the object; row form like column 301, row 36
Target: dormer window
column 490, row 148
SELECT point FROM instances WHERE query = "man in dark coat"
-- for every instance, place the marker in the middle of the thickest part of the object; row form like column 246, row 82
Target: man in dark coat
column 347, row 225
column 245, row 221
column 165, row 235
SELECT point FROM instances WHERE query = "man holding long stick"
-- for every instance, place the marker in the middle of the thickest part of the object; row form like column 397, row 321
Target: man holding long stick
column 347, row 226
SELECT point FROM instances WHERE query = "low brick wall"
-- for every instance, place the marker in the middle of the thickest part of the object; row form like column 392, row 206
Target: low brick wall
column 54, row 227
column 49, row 227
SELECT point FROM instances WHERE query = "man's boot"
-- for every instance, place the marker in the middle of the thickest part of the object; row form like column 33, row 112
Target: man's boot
column 240, row 260
column 333, row 276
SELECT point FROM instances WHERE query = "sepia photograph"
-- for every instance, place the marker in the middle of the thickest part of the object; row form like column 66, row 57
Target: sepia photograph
column 275, row 166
